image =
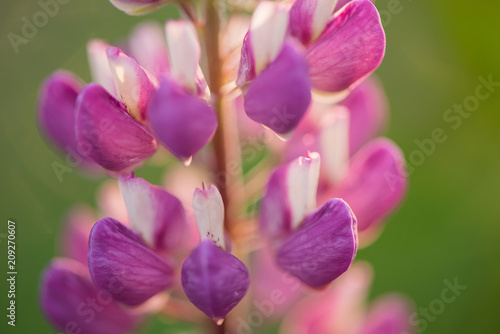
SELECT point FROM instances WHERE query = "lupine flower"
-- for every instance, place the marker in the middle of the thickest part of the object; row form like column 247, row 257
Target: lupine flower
column 56, row 114
column 139, row 257
column 113, row 125
column 72, row 303
column 373, row 180
column 213, row 279
column 316, row 245
column 300, row 72
column 68, row 296
column 342, row 309
column 328, row 53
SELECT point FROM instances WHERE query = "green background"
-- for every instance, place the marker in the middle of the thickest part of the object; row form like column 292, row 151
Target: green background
column 448, row 227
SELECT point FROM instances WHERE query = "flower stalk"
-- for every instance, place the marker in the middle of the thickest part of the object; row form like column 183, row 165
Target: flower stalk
column 225, row 152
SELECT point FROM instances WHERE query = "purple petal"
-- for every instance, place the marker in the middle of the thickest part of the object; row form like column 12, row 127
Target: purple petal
column 148, row 46
column 118, row 257
column 75, row 237
column 157, row 215
column 368, row 110
column 57, row 114
column 108, row 134
column 183, row 123
column 323, row 247
column 73, row 304
column 351, row 48
column 139, row 7
column 134, row 86
column 280, row 95
column 275, row 213
column 389, row 315
column 214, row 280
column 375, row 183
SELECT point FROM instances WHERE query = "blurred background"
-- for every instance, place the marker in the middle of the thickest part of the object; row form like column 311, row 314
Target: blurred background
column 447, row 229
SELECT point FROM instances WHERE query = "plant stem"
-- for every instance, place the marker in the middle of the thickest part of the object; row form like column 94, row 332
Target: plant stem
column 226, row 151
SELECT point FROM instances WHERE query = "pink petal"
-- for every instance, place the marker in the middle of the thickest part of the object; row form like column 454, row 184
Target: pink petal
column 106, row 132
column 308, row 18
column 148, row 46
column 74, row 240
column 118, row 257
column 274, row 290
column 339, row 310
column 376, row 182
column 389, row 315
column 350, row 49
column 368, row 109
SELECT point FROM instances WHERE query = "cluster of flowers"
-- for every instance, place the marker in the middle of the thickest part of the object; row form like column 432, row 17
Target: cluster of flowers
column 302, row 71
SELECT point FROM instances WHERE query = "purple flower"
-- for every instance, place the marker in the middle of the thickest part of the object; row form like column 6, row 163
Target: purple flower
column 372, row 178
column 341, row 49
column 68, row 296
column 138, row 257
column 214, row 280
column 56, row 114
column 72, row 303
column 179, row 115
column 112, row 121
column 334, row 53
column 314, row 246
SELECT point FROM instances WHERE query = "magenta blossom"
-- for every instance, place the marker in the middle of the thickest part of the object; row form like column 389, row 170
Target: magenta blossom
column 139, row 257
column 68, row 296
column 367, row 173
column 286, row 53
column 214, row 280
column 117, row 121
column 316, row 245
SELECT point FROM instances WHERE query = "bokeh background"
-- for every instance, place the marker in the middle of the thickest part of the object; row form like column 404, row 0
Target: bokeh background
column 448, row 228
